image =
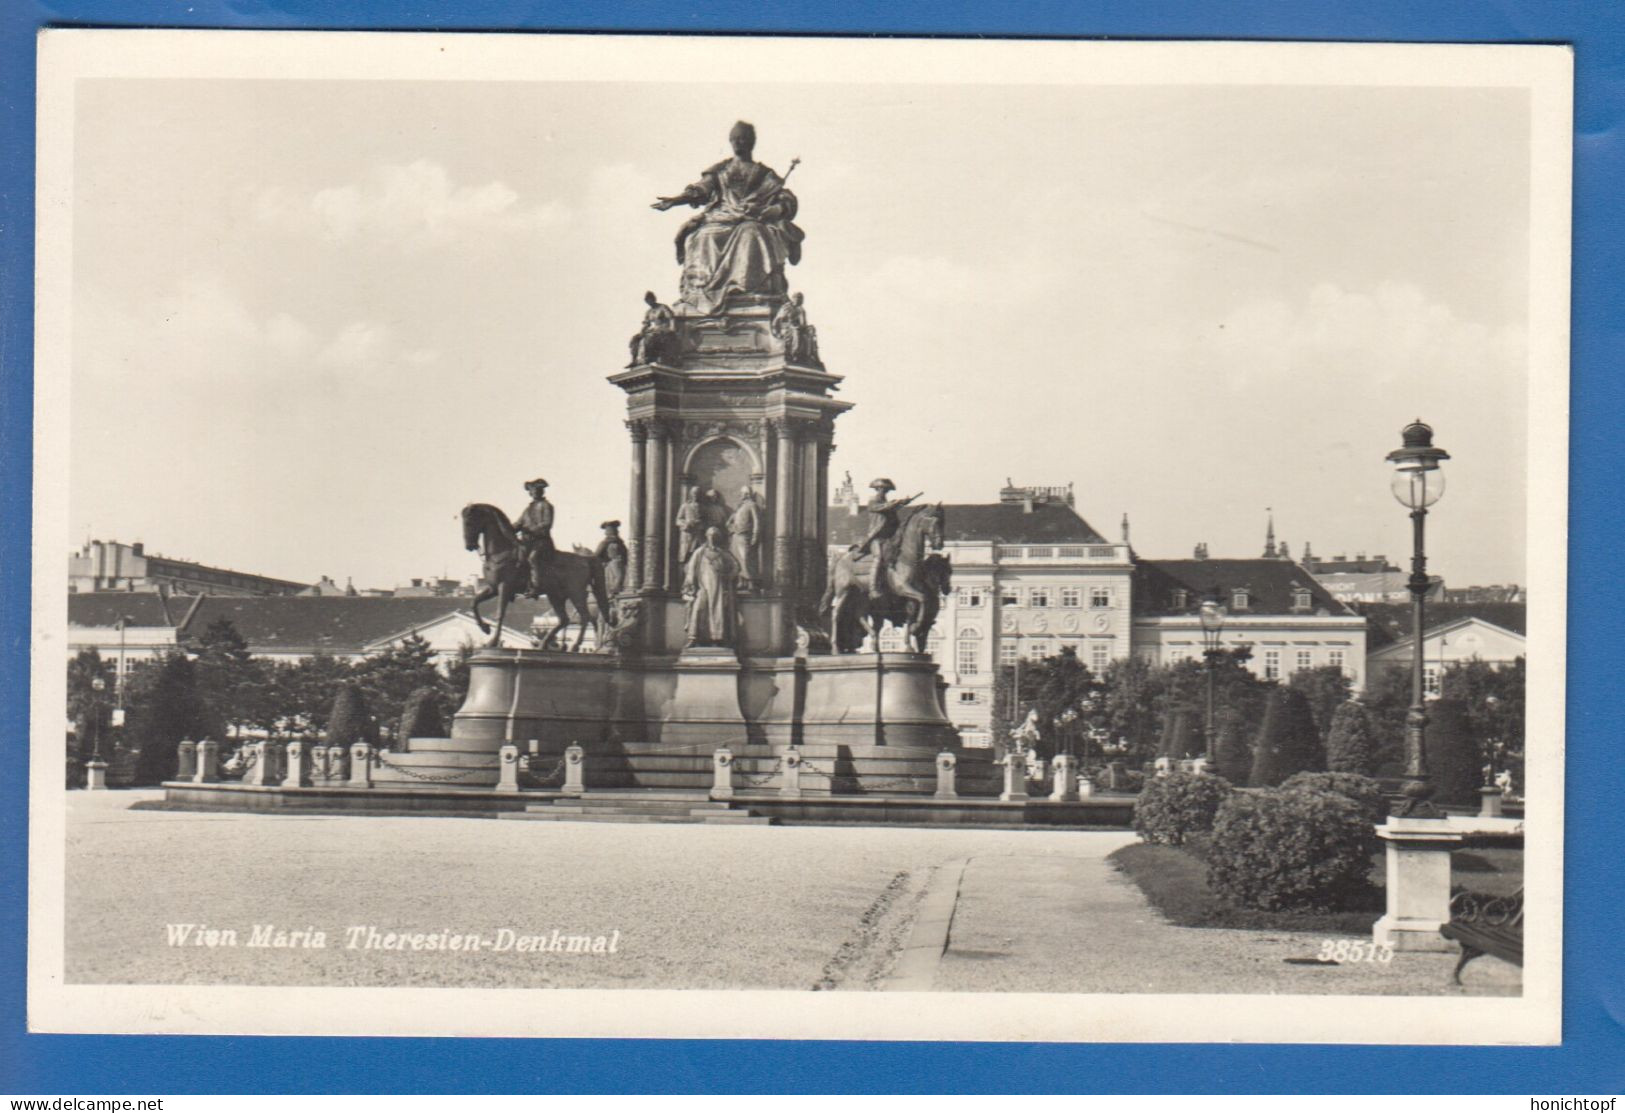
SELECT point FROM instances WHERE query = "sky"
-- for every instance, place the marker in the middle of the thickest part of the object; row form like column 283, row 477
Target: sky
column 313, row 319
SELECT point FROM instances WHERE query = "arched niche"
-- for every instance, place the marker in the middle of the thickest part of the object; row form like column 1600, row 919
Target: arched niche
column 724, row 465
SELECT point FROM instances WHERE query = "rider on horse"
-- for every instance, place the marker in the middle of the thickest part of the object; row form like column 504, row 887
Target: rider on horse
column 535, row 531
column 884, row 521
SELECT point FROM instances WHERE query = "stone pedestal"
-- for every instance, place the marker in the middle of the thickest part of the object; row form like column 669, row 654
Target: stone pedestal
column 267, row 765
column 1418, row 884
column 186, row 755
column 296, row 762
column 575, row 771
column 95, row 775
column 1490, row 801
column 791, row 784
column 1015, row 777
column 947, row 775
column 1086, row 788
column 208, row 762
column 360, row 765
column 722, row 774
column 1066, row 778
column 336, row 764
column 508, row 769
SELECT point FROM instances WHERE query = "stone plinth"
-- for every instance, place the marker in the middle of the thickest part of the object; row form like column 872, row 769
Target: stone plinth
column 1015, row 777
column 95, row 775
column 1066, row 778
column 1418, row 883
column 1490, row 801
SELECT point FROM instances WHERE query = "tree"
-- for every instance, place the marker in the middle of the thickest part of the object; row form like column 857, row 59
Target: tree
column 1387, row 699
column 1327, row 688
column 1351, row 743
column 1232, row 756
column 351, row 721
column 1288, row 742
column 1455, row 761
column 455, row 686
column 1181, row 734
column 306, row 690
column 1494, row 698
column 1134, row 693
column 1060, row 688
column 421, row 718
column 89, row 709
column 392, row 675
column 165, row 707
column 231, row 681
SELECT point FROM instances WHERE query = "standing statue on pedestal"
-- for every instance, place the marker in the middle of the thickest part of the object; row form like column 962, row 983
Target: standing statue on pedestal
column 744, row 235
column 656, row 341
column 905, row 589
column 745, row 532
column 790, row 327
column 612, row 553
column 709, row 585
column 535, row 531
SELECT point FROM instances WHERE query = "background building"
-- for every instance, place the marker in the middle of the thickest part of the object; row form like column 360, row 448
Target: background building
column 115, row 566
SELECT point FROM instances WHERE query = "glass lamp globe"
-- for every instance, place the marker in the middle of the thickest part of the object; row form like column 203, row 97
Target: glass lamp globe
column 1417, row 483
column 1212, row 615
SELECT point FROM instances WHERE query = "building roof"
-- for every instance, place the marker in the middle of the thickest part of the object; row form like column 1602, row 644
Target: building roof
column 1399, row 647
column 1387, row 623
column 143, row 608
column 1270, row 586
column 1004, row 523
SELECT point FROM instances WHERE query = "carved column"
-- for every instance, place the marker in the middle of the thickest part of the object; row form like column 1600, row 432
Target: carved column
column 784, row 507
column 654, row 509
column 635, row 514
column 821, row 510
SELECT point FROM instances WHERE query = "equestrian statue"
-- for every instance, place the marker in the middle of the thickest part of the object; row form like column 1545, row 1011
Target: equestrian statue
column 902, row 582
column 524, row 561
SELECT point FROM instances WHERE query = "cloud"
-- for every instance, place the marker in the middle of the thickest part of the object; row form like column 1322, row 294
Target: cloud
column 415, row 205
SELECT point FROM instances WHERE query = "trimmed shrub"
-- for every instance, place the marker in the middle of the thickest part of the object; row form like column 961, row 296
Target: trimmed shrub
column 1170, row 809
column 1455, row 762
column 421, row 717
column 1232, row 757
column 1351, row 743
column 1364, row 791
column 350, row 721
column 1290, row 849
column 1288, row 741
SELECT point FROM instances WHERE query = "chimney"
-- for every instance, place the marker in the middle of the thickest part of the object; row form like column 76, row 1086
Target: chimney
column 1200, row 552
column 1027, row 502
column 138, row 549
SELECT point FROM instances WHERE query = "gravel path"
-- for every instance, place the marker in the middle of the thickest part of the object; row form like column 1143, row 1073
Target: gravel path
column 1076, row 925
column 696, row 906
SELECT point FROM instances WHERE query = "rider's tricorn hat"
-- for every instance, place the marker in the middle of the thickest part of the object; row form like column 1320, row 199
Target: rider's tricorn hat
column 883, row 483
column 535, row 483
column 613, row 523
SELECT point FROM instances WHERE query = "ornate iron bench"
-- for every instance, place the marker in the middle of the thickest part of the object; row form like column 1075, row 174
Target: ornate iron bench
column 1485, row 924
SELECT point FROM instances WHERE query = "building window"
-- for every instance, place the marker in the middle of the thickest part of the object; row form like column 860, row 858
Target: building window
column 970, row 653
column 970, row 597
column 1430, row 681
column 1038, row 648
column 970, row 696
column 1180, row 599
column 1041, row 551
column 1306, row 659
column 1008, row 648
column 933, row 646
column 1272, row 664
column 1335, row 657
column 1302, row 600
column 1101, row 597
column 891, row 640
column 1240, row 599
column 1071, row 597
column 1100, row 655
column 1009, row 597
column 1038, row 597
column 1071, row 551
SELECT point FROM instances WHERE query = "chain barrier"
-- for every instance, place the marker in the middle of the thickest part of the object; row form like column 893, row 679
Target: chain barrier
column 540, row 780
column 761, row 779
column 428, row 778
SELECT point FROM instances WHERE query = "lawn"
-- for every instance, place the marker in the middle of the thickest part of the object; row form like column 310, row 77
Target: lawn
column 1174, row 880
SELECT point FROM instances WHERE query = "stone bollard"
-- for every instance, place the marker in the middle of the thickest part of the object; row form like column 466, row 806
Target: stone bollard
column 95, row 775
column 1199, row 765
column 947, row 774
column 361, row 765
column 186, row 753
column 296, row 765
column 1418, row 884
column 1086, row 788
column 208, row 762
column 790, row 779
column 1038, row 771
column 267, row 768
column 508, row 768
column 1066, row 778
column 722, row 774
column 1490, row 799
column 575, row 771
column 1015, row 777
column 337, row 764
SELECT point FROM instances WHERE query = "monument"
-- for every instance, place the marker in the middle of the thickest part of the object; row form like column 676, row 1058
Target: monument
column 715, row 628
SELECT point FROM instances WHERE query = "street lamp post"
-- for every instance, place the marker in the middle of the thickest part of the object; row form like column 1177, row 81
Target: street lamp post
column 1417, row 484
column 96, row 768
column 1212, row 615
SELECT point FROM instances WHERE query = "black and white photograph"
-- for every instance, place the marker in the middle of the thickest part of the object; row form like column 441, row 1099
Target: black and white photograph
column 799, row 538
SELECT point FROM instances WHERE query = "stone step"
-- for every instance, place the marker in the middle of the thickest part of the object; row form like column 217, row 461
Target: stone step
column 729, row 819
column 664, row 808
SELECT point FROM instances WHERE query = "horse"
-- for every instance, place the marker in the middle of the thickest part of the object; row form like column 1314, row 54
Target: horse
column 567, row 578
column 914, row 583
